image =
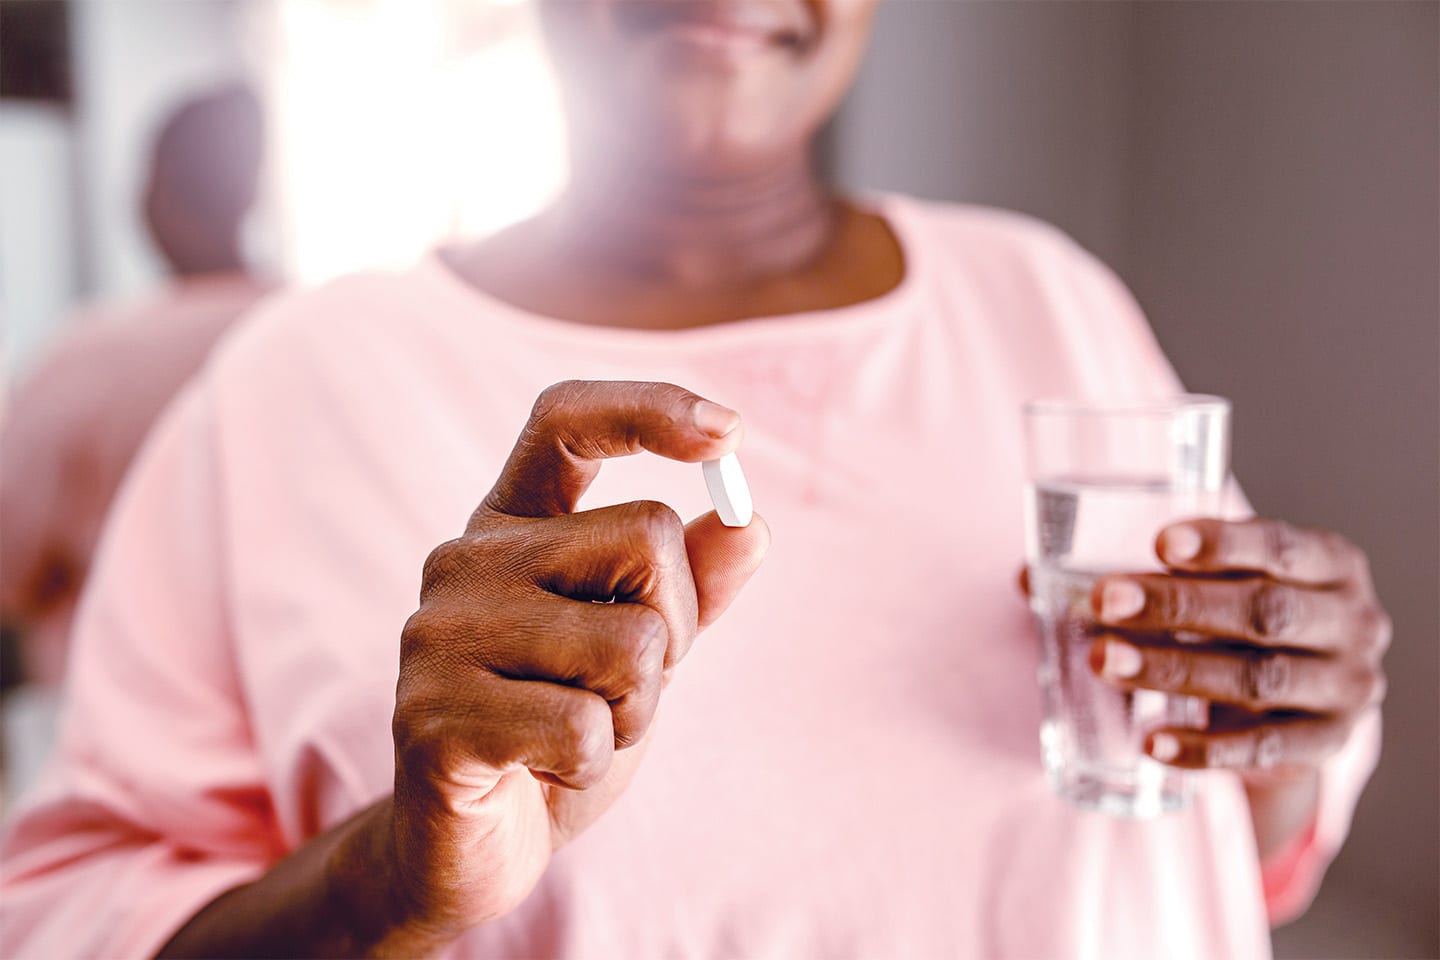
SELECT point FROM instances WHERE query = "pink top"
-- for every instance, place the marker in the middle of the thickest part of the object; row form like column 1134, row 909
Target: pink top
column 847, row 764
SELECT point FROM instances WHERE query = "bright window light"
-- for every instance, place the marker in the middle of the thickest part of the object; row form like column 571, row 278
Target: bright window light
column 397, row 124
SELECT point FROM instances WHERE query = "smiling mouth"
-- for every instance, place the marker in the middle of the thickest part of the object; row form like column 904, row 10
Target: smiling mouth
column 712, row 36
column 727, row 32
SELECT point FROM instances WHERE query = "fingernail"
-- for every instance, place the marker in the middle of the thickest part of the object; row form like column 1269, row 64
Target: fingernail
column 1164, row 747
column 1121, row 600
column 714, row 419
column 1121, row 659
column 1182, row 544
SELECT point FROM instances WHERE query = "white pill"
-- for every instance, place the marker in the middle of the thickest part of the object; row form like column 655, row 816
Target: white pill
column 729, row 491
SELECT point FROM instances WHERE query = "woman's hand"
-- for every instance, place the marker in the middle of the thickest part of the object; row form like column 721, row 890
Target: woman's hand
column 1278, row 627
column 524, row 691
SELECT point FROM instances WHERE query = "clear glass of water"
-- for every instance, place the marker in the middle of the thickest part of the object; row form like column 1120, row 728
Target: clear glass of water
column 1104, row 478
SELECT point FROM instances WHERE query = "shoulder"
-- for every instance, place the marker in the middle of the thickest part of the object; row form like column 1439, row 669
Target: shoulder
column 350, row 370
column 303, row 337
column 952, row 231
column 1047, row 292
column 1003, row 249
column 302, row 317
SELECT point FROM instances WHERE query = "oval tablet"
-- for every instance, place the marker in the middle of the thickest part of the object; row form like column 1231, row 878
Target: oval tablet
column 728, row 490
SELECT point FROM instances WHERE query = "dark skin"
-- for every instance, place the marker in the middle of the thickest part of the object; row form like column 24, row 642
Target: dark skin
column 1278, row 627
column 694, row 198
column 522, row 708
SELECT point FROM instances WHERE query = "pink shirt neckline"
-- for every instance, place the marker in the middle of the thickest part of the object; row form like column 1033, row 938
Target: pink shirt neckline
column 770, row 328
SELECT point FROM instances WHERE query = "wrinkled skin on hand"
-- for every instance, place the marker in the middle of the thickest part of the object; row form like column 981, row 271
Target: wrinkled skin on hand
column 1278, row 627
column 531, row 671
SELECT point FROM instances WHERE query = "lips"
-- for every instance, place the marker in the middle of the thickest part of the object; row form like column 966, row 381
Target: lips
column 719, row 27
column 717, row 36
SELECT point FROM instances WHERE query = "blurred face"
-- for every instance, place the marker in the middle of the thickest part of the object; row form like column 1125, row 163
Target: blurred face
column 704, row 86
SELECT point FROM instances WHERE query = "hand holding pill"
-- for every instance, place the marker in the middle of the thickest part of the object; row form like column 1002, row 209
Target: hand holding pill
column 518, row 696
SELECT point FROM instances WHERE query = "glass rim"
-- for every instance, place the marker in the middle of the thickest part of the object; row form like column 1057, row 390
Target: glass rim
column 1127, row 406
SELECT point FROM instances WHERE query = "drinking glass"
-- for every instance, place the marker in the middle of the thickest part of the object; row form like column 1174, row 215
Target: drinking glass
column 1103, row 479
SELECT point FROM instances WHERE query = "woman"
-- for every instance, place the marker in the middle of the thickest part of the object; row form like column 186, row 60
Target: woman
column 845, row 763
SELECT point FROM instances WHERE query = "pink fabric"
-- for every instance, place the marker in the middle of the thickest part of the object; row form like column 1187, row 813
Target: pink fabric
column 72, row 430
column 846, row 764
column 1292, row 877
column 1278, row 874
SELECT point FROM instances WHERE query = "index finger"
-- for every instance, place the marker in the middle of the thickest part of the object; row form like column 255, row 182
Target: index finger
column 1314, row 558
column 576, row 424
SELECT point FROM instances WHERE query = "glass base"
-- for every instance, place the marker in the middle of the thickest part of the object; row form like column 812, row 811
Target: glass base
column 1125, row 795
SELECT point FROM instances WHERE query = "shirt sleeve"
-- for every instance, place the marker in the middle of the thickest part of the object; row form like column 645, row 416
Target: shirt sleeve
column 155, row 802
column 1105, row 318
column 1107, row 333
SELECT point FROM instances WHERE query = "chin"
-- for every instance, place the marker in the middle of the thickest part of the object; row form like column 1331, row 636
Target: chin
column 719, row 150
column 716, row 123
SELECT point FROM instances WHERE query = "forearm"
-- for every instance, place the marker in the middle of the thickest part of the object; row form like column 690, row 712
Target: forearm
column 335, row 896
column 1282, row 806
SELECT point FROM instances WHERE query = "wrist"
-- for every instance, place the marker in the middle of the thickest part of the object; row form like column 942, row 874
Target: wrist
column 366, row 886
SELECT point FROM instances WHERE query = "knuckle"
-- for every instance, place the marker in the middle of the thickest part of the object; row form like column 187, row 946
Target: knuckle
column 659, row 394
column 1168, row 669
column 1169, row 600
column 1179, row 600
column 443, row 564
column 438, row 623
column 1283, row 544
column 630, row 720
column 555, row 397
column 1267, row 748
column 1337, row 546
column 1264, row 678
column 1343, row 547
column 416, row 634
column 1368, row 686
column 588, row 740
column 656, row 528
column 1273, row 611
column 431, row 640
column 1377, row 630
column 415, row 728
column 1222, row 751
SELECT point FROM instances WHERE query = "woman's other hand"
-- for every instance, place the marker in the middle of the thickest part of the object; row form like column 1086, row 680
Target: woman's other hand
column 1278, row 627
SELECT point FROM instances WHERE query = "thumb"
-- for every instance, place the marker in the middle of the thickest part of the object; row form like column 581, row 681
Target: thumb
column 722, row 559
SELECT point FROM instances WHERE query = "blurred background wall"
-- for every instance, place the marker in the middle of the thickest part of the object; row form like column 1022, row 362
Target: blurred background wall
column 1262, row 174
column 74, row 157
column 365, row 166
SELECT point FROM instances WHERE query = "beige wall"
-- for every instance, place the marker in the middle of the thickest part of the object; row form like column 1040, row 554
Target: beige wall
column 1264, row 175
column 1014, row 104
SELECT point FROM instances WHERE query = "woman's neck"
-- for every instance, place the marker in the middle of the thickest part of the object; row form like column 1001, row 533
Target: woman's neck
column 700, row 232
column 658, row 253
